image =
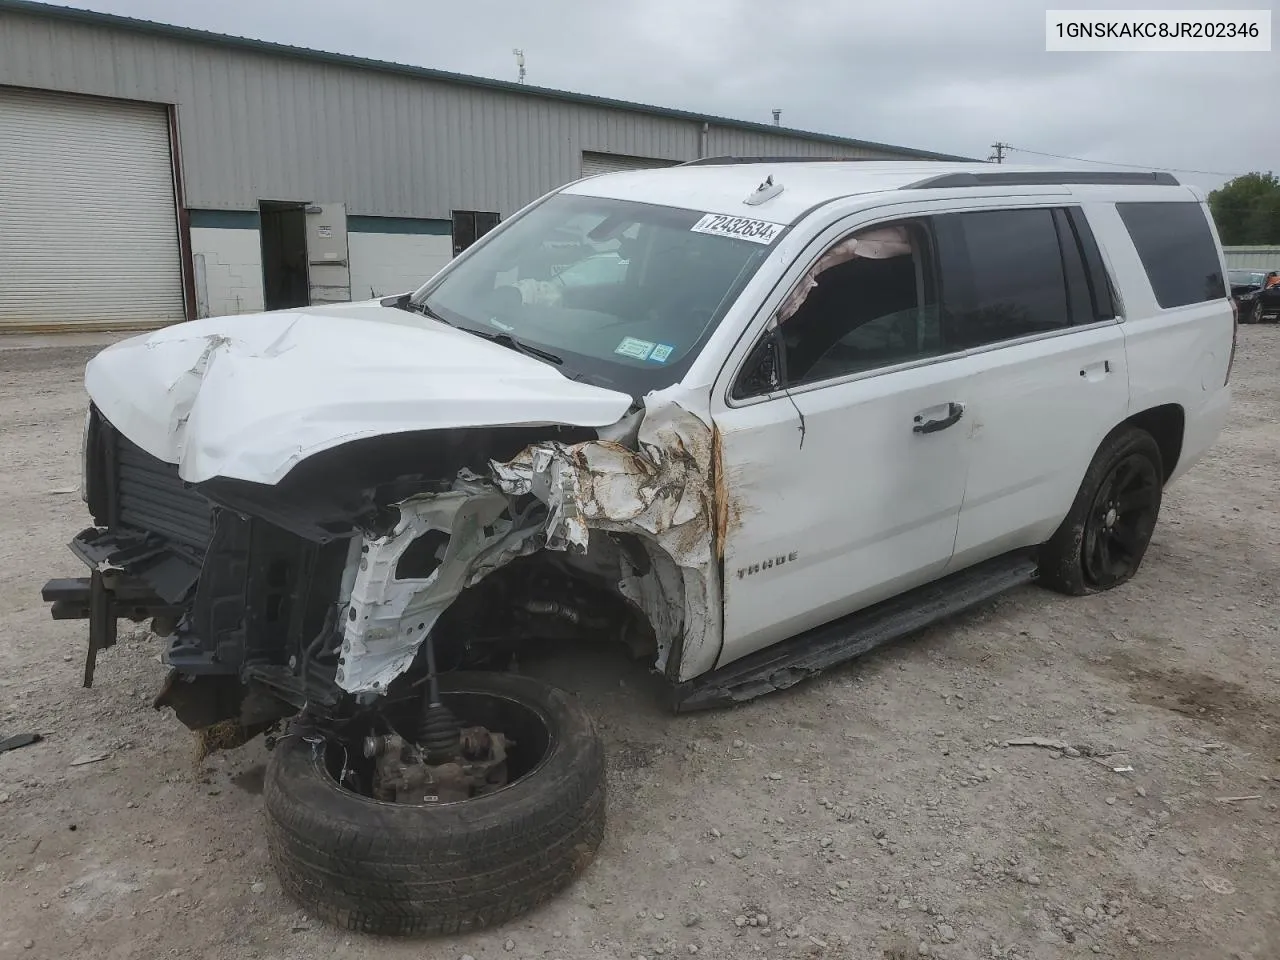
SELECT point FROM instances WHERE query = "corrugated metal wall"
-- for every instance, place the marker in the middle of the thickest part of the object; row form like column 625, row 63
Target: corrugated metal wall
column 731, row 142
column 1255, row 258
column 257, row 125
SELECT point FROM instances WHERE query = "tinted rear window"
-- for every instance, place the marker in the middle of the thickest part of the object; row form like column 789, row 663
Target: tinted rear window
column 1177, row 251
column 1002, row 275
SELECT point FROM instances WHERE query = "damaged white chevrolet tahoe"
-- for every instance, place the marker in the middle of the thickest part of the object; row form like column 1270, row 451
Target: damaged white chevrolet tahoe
column 748, row 418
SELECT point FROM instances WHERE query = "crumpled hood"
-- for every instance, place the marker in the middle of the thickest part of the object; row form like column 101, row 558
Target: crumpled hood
column 248, row 397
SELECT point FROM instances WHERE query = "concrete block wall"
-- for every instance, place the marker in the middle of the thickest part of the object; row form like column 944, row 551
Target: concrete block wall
column 388, row 263
column 232, row 274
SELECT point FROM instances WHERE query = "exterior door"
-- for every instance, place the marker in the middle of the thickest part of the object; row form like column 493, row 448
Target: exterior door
column 1040, row 412
column 328, row 267
column 866, row 508
column 88, row 221
column 847, row 489
column 1024, row 290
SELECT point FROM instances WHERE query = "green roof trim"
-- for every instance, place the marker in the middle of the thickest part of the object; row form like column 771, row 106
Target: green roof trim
column 154, row 28
column 223, row 219
column 400, row 225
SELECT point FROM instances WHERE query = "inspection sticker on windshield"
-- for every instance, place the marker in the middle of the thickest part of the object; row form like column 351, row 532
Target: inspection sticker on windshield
column 661, row 352
column 722, row 225
column 631, row 347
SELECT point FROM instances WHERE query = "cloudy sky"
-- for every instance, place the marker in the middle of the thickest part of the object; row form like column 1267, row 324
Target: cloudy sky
column 935, row 74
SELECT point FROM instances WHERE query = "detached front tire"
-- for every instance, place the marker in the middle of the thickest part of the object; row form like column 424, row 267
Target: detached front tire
column 409, row 870
column 1104, row 537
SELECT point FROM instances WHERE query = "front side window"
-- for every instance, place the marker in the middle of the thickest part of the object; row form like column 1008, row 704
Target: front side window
column 616, row 293
column 1177, row 251
column 866, row 304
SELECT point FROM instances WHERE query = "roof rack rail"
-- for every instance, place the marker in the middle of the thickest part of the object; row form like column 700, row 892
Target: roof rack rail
column 730, row 161
column 1021, row 178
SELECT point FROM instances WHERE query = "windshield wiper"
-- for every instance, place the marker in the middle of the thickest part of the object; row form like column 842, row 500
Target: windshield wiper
column 422, row 308
column 507, row 340
column 405, row 302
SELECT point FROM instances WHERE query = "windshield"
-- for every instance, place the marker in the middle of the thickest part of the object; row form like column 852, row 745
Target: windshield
column 1245, row 277
column 623, row 293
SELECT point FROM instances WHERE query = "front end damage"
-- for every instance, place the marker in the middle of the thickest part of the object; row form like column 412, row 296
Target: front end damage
column 634, row 514
column 342, row 591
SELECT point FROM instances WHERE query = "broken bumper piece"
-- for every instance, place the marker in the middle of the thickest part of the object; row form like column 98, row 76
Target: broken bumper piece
column 135, row 576
column 149, row 559
column 141, row 576
column 72, row 599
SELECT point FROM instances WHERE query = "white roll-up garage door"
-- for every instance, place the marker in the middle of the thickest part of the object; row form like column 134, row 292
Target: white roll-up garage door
column 88, row 223
column 594, row 163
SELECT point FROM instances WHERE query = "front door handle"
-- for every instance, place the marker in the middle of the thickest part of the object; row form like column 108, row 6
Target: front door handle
column 928, row 421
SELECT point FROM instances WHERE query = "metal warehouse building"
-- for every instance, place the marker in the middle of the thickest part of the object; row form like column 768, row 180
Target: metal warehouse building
column 151, row 173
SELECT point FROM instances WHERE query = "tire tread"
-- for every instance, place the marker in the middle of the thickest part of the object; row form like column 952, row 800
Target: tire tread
column 1060, row 566
column 417, row 871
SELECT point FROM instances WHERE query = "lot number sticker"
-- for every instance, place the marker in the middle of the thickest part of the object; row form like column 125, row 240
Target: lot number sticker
column 722, row 225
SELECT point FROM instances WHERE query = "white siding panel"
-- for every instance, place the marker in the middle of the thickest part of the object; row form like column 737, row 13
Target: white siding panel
column 383, row 264
column 1252, row 258
column 88, row 224
column 229, row 271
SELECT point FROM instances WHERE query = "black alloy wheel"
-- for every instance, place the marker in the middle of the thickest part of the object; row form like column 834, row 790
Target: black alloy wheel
column 1104, row 536
column 1121, row 521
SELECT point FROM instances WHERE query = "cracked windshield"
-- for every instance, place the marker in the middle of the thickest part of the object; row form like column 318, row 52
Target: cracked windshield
column 622, row 293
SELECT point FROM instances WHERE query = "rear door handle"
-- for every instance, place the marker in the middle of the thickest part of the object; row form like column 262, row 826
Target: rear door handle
column 938, row 418
column 1096, row 371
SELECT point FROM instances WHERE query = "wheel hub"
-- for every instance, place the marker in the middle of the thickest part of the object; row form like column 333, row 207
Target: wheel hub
column 1110, row 517
column 405, row 773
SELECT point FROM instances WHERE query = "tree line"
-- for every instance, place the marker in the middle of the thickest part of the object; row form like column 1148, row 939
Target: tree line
column 1247, row 210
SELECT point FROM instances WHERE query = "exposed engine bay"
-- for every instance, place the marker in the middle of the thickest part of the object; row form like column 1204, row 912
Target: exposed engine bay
column 375, row 566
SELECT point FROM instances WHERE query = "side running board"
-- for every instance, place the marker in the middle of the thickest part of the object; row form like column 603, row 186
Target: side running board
column 809, row 653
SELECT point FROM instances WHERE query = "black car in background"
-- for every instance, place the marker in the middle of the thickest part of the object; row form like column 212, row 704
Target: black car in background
column 1266, row 304
column 1246, row 290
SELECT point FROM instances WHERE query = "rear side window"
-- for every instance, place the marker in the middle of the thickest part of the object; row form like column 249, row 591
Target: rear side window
column 1177, row 251
column 1003, row 275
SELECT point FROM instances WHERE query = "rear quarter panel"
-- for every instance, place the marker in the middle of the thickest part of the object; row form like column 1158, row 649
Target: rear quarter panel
column 1175, row 356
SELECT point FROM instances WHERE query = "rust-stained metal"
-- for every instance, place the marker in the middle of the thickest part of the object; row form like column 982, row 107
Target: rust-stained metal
column 403, row 775
column 663, row 493
column 728, row 515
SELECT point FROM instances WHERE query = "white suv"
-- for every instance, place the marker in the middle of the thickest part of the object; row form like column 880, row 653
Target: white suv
column 782, row 413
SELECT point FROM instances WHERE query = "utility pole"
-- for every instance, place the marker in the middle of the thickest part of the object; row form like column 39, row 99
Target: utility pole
column 999, row 149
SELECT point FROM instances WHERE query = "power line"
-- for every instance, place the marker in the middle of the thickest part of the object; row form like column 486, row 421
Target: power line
column 1115, row 163
column 999, row 149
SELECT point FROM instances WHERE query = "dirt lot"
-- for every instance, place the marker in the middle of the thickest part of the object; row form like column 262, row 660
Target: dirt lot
column 872, row 813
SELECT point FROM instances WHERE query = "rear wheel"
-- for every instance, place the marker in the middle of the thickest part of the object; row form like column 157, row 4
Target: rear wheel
column 1101, row 543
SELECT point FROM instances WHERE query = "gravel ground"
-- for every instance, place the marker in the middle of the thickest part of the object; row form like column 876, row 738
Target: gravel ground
column 872, row 813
